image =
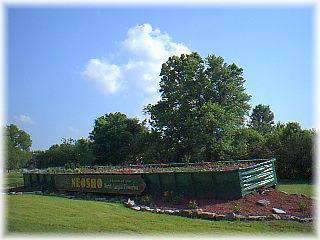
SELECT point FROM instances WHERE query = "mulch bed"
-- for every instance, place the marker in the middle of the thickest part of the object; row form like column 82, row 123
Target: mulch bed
column 15, row 189
column 248, row 205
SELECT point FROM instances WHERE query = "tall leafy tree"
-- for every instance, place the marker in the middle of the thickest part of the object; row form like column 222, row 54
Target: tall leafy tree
column 70, row 153
column 84, row 152
column 248, row 143
column 18, row 147
column 293, row 147
column 202, row 102
column 117, row 139
column 262, row 118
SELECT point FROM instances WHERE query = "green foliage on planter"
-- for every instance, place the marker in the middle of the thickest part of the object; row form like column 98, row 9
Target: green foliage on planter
column 302, row 205
column 168, row 196
column 51, row 170
column 69, row 170
column 172, row 197
column 146, row 199
column 236, row 208
column 192, row 204
column 177, row 198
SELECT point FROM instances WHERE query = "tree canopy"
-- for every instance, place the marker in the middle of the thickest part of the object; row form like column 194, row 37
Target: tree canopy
column 18, row 147
column 262, row 118
column 69, row 152
column 202, row 102
column 117, row 139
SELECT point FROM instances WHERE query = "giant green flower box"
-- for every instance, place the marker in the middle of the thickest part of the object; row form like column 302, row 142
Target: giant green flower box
column 194, row 180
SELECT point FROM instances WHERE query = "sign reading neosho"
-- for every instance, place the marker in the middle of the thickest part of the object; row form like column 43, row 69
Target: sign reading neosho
column 119, row 184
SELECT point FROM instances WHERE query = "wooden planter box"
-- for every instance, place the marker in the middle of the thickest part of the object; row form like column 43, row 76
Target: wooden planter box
column 229, row 184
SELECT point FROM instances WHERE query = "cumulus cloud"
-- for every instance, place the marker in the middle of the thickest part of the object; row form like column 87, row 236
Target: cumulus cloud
column 146, row 49
column 107, row 76
column 22, row 118
column 149, row 44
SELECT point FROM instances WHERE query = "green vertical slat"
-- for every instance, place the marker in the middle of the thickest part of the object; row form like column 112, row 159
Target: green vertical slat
column 39, row 186
column 204, row 184
column 33, row 181
column 160, row 183
column 152, row 183
column 175, row 183
column 41, row 181
column 167, row 181
column 184, row 184
column 194, row 185
column 54, row 181
column 48, row 182
column 241, row 183
column 274, row 173
column 27, row 181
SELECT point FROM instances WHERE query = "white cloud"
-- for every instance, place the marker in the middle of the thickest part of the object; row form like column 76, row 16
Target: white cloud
column 146, row 49
column 106, row 76
column 22, row 118
column 149, row 44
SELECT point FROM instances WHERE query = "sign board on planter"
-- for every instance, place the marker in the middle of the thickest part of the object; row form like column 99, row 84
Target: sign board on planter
column 103, row 183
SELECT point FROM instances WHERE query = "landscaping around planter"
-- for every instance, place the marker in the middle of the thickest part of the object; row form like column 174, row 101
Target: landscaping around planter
column 277, row 205
column 241, row 190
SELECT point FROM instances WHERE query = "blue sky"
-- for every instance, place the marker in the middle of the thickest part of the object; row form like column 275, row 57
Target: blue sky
column 67, row 66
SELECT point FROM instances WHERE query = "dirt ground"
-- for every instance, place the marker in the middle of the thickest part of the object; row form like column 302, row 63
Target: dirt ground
column 293, row 204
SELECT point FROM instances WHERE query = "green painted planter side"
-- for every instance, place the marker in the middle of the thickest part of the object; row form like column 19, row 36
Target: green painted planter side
column 258, row 176
column 152, row 181
column 214, row 184
column 195, row 184
column 26, row 180
column 185, row 184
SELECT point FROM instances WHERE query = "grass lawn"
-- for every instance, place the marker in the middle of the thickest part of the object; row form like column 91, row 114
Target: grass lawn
column 296, row 187
column 30, row 213
column 36, row 214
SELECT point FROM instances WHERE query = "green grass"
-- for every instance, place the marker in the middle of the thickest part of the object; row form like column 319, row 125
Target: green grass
column 296, row 187
column 44, row 214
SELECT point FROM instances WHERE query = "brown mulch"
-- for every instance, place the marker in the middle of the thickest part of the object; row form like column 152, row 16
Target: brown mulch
column 202, row 167
column 248, row 205
column 15, row 189
column 157, row 168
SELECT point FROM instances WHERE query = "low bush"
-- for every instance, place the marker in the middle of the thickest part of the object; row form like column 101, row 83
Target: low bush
column 177, row 198
column 51, row 170
column 192, row 204
column 146, row 199
column 236, row 208
column 168, row 196
column 302, row 205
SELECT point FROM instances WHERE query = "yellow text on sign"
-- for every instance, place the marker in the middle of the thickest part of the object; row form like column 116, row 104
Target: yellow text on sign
column 90, row 183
